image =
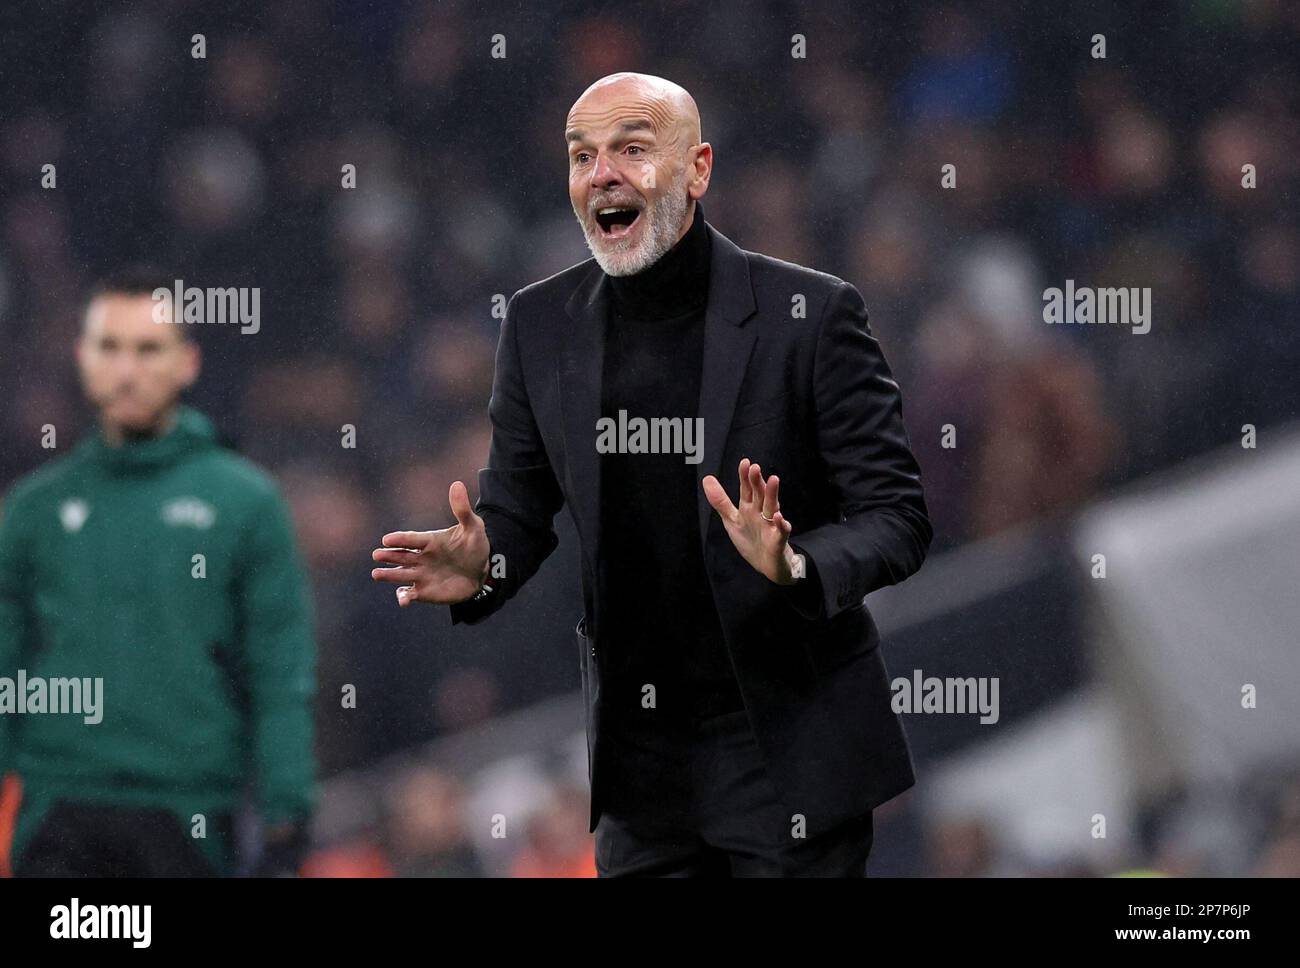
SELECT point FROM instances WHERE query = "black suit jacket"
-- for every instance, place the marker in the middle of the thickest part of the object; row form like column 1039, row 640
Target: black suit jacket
column 810, row 397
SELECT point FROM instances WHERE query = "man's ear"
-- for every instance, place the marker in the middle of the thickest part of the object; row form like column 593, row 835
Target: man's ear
column 702, row 170
column 193, row 363
column 81, row 350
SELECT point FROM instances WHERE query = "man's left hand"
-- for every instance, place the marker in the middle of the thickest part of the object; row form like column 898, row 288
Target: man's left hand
column 756, row 527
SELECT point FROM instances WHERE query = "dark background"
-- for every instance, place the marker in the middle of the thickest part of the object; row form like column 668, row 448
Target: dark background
column 377, row 302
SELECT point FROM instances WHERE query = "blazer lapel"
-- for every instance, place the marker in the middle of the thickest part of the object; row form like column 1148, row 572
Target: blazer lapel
column 581, row 363
column 727, row 345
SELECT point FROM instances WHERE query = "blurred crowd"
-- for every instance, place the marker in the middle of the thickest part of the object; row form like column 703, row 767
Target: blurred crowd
column 426, row 828
column 378, row 300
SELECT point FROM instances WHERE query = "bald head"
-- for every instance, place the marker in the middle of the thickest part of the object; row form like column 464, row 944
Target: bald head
column 636, row 167
column 668, row 106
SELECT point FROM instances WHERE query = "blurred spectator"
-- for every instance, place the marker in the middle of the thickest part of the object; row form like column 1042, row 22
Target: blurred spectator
column 426, row 826
column 558, row 844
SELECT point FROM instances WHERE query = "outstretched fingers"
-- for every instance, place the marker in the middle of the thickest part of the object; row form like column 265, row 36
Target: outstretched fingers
column 413, row 540
column 395, row 556
column 458, row 498
column 746, row 490
column 716, row 495
column 771, row 497
column 395, row 574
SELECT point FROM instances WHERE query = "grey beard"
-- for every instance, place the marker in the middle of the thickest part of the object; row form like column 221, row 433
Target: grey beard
column 665, row 221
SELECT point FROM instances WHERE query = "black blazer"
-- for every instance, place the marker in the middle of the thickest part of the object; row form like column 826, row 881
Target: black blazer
column 809, row 396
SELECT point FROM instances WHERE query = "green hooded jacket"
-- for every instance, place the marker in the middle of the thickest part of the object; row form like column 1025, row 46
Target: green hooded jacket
column 167, row 571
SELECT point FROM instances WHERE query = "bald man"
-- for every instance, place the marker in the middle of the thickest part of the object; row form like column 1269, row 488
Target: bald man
column 728, row 437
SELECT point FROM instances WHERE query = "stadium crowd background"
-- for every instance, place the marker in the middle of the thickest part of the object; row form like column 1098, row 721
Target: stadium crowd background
column 377, row 301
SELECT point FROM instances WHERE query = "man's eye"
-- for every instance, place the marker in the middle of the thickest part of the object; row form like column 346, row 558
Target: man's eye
column 580, row 157
column 632, row 148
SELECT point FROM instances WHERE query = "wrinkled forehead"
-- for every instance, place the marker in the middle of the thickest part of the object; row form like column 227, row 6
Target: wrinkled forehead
column 620, row 108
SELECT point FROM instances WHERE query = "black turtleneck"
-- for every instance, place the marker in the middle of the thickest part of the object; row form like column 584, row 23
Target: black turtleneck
column 674, row 285
column 664, row 626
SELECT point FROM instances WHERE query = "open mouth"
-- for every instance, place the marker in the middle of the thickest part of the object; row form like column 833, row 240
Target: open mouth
column 616, row 221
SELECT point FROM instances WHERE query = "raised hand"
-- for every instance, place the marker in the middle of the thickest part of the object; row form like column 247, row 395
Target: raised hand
column 756, row 527
column 437, row 566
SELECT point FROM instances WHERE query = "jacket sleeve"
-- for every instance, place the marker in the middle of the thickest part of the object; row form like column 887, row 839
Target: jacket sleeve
column 884, row 529
column 518, row 493
column 14, row 613
column 279, row 662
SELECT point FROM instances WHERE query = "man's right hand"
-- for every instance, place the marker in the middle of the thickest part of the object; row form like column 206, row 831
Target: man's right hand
column 437, row 566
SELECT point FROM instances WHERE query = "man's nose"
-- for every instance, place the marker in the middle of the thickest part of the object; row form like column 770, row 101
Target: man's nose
column 126, row 367
column 605, row 174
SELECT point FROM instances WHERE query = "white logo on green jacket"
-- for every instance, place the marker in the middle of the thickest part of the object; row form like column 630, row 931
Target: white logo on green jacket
column 73, row 513
column 189, row 511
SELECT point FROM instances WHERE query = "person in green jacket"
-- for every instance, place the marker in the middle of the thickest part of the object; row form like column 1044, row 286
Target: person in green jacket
column 157, row 645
